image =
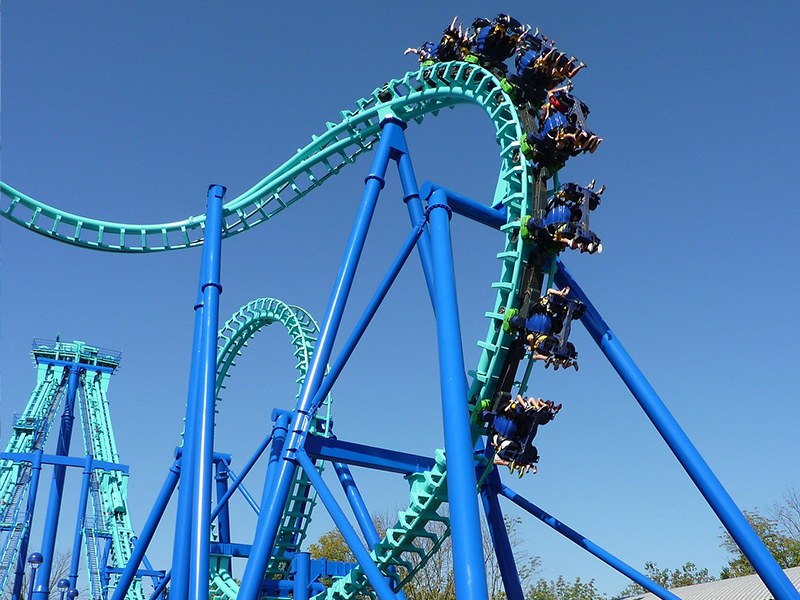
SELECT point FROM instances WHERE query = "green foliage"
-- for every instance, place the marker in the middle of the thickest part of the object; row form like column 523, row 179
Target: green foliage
column 688, row 574
column 561, row 589
column 780, row 532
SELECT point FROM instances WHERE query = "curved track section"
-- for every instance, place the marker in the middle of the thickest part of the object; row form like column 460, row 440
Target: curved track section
column 231, row 340
column 412, row 97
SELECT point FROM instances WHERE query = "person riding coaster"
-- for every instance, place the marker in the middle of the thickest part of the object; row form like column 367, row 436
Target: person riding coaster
column 546, row 331
column 512, row 426
column 493, row 42
column 567, row 219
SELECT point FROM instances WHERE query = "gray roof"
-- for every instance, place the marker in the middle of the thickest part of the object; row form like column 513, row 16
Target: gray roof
column 749, row 587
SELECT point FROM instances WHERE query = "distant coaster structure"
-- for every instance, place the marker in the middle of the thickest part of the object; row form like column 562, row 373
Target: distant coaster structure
column 536, row 218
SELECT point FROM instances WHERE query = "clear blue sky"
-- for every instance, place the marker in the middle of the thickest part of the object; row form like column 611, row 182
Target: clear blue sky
column 128, row 111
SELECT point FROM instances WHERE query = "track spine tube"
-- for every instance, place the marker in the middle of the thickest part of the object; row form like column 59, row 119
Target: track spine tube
column 698, row 470
column 376, row 578
column 274, row 502
column 76, row 545
column 204, row 440
column 36, row 470
column 468, row 559
column 499, row 534
column 41, row 591
column 587, row 545
column 146, row 535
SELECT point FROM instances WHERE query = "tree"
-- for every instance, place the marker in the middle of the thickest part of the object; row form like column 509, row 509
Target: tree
column 688, row 574
column 779, row 530
column 562, row 589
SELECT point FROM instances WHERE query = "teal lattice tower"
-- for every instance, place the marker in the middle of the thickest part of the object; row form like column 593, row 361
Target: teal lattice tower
column 67, row 374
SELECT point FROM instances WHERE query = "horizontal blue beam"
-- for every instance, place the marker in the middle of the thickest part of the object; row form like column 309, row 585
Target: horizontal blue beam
column 466, row 207
column 228, row 549
column 273, row 587
column 139, row 572
column 68, row 363
column 67, row 461
column 322, row 567
column 359, row 455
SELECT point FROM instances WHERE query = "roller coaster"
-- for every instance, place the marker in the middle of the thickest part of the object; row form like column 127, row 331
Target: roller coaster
column 487, row 424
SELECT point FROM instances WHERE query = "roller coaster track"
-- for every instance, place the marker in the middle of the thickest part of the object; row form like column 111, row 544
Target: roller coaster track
column 410, row 98
column 231, row 340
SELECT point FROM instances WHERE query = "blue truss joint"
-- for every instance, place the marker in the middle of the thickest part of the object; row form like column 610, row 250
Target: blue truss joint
column 361, row 455
column 139, row 573
column 466, row 207
column 68, row 363
column 322, row 567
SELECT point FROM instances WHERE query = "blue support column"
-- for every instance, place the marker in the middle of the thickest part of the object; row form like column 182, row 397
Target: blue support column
column 179, row 589
column 411, row 196
column 204, row 433
column 468, row 560
column 499, row 533
column 272, row 505
column 146, row 534
column 302, row 575
column 702, row 476
column 588, row 545
column 349, row 534
column 357, row 504
column 36, row 470
column 79, row 521
column 41, row 591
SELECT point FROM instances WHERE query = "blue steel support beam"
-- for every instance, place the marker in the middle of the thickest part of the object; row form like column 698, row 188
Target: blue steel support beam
column 588, row 545
column 179, row 589
column 466, row 207
column 146, row 534
column 499, row 533
column 204, row 440
column 349, row 534
column 19, row 575
column 273, row 504
column 76, row 544
column 41, row 592
column 369, row 313
column 413, row 202
column 468, row 560
column 302, row 575
column 237, row 481
column 357, row 504
column 360, row 455
column 697, row 469
column 222, row 502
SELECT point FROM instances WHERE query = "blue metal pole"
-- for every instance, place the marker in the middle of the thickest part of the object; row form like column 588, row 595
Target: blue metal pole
column 702, row 476
column 204, row 440
column 369, row 313
column 414, row 203
column 468, row 560
column 183, row 520
column 222, row 502
column 376, row 578
column 224, row 524
column 588, row 545
column 237, row 481
column 56, row 488
column 36, row 470
column 146, row 535
column 269, row 519
column 357, row 504
column 499, row 533
column 302, row 575
column 76, row 545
